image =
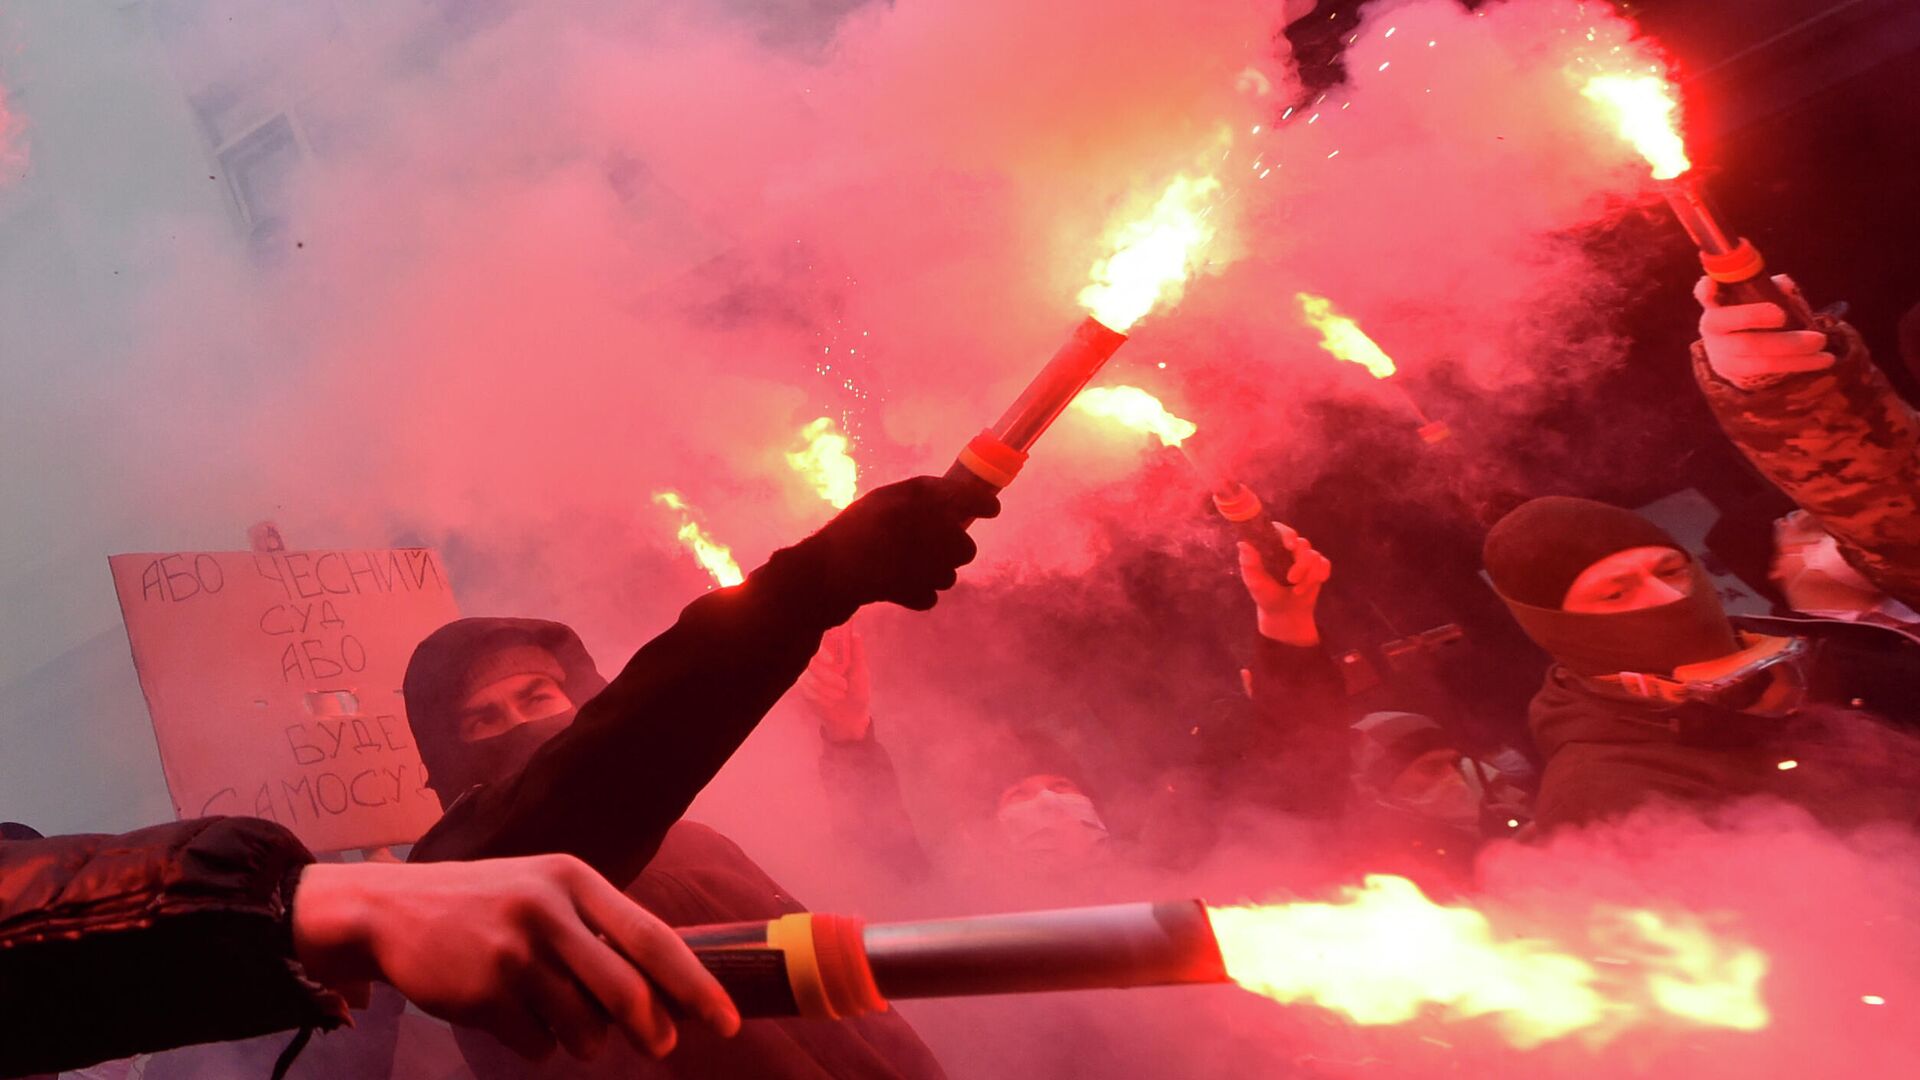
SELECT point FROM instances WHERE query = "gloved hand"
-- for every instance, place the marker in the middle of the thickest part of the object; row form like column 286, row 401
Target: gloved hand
column 1285, row 609
column 1745, row 346
column 901, row 543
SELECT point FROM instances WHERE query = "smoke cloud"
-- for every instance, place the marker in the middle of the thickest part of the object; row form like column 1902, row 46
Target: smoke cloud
column 504, row 270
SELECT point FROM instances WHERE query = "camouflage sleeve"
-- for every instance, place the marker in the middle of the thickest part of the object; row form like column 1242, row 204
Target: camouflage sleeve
column 1844, row 446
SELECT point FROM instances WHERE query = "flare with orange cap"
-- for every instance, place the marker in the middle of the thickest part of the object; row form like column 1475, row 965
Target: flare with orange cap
column 1643, row 107
column 1380, row 954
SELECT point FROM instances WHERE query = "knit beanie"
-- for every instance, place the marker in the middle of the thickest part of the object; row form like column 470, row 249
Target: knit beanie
column 1535, row 553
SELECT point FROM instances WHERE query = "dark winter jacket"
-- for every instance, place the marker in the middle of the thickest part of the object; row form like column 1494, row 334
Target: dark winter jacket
column 177, row 934
column 610, row 789
column 1850, row 755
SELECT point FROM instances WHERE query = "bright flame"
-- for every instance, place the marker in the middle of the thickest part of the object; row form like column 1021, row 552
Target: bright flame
column 1343, row 337
column 1649, row 118
column 1385, row 953
column 1151, row 257
column 716, row 558
column 825, row 462
column 1133, row 407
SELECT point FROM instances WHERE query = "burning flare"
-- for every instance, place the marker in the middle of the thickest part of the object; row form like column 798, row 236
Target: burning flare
column 1385, row 953
column 1343, row 337
column 825, row 462
column 1648, row 117
column 1134, row 408
column 716, row 558
column 1152, row 257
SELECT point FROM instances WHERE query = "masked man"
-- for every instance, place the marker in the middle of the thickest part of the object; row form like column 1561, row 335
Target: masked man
column 1406, row 795
column 1656, row 694
column 532, row 751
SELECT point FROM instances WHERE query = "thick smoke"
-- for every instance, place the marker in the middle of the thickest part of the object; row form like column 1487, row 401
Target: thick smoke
column 539, row 261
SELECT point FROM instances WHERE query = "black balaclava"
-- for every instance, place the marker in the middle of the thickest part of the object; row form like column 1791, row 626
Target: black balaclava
column 449, row 664
column 13, row 830
column 1535, row 554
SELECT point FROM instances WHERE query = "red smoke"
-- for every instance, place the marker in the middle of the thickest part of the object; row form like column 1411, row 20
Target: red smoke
column 584, row 252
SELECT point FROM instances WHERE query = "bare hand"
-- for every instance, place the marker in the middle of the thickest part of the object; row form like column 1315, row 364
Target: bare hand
column 837, row 688
column 1285, row 610
column 1745, row 344
column 532, row 950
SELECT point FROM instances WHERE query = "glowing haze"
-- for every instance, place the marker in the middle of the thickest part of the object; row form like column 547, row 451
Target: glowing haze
column 825, row 461
column 1343, row 337
column 713, row 556
column 1643, row 107
column 1385, row 953
column 1152, row 256
column 1134, row 408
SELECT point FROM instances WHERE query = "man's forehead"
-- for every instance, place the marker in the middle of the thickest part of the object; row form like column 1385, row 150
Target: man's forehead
column 510, row 685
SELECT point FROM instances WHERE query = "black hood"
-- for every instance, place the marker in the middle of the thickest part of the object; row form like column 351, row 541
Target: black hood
column 436, row 674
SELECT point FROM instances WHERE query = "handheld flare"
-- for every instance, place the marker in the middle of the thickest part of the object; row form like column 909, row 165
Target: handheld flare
column 1380, row 953
column 1244, row 511
column 1149, row 263
column 1648, row 116
column 834, row 967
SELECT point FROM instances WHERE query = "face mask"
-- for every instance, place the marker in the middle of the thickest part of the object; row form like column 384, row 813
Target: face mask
column 497, row 757
column 1653, row 640
column 1052, row 822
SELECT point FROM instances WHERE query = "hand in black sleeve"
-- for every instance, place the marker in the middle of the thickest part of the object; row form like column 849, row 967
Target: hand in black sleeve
column 608, row 788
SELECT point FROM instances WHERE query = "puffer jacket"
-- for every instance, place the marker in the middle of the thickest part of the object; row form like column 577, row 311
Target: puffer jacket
column 1849, row 756
column 611, row 787
column 1841, row 444
column 176, row 934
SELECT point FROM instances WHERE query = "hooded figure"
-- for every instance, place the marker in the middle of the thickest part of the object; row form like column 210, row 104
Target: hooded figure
column 1656, row 693
column 483, row 695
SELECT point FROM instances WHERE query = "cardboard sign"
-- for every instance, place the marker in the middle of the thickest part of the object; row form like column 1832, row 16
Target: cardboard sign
column 273, row 681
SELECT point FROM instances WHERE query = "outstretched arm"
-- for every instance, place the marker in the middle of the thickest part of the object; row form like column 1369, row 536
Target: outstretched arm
column 608, row 788
column 1827, row 430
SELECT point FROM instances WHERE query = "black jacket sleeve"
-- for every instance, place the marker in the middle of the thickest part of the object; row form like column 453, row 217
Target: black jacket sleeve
column 177, row 934
column 608, row 787
column 1288, row 747
column 865, row 805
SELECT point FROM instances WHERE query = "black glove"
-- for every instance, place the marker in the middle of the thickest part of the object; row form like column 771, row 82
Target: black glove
column 901, row 543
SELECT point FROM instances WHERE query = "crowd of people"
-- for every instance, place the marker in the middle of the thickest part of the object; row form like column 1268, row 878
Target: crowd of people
column 535, row 915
